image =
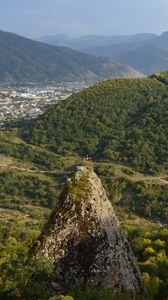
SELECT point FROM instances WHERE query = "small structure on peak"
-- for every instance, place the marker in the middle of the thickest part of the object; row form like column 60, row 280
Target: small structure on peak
column 87, row 158
column 84, row 239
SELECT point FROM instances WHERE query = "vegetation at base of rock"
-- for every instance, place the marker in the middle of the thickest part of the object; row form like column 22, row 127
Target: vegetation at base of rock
column 90, row 293
column 26, row 279
column 120, row 120
column 151, row 249
column 149, row 245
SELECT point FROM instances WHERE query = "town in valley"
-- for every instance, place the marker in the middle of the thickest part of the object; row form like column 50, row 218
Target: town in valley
column 26, row 102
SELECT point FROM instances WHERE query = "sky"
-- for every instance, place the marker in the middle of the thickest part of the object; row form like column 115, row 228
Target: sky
column 35, row 18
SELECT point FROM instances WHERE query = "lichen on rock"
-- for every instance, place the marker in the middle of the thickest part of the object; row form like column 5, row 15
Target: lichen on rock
column 84, row 239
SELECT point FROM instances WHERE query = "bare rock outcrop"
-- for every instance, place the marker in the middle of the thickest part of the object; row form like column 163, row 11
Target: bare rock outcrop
column 84, row 239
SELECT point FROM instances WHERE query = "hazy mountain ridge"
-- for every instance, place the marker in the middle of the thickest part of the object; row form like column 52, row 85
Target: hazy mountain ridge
column 147, row 56
column 23, row 60
column 87, row 42
column 147, row 53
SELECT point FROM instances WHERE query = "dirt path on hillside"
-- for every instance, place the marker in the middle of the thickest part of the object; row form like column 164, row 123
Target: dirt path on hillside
column 7, row 163
column 163, row 179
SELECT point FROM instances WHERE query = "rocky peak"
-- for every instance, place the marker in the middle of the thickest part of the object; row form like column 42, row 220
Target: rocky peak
column 84, row 239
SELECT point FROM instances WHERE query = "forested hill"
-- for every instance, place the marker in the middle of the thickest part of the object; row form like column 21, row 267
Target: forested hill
column 120, row 120
column 25, row 60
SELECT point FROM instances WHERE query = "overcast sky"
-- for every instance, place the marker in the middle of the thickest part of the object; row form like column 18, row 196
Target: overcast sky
column 34, row 18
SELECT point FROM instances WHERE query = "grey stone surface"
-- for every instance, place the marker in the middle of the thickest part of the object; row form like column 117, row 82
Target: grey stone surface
column 84, row 239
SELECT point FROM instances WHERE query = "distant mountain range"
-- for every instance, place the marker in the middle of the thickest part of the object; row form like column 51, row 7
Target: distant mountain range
column 84, row 43
column 147, row 56
column 25, row 60
column 147, row 53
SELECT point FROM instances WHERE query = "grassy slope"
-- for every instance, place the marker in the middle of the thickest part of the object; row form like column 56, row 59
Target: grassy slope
column 25, row 180
column 22, row 218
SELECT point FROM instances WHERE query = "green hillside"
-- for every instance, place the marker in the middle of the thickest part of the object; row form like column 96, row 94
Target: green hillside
column 25, row 60
column 122, row 124
column 120, row 120
column 30, row 179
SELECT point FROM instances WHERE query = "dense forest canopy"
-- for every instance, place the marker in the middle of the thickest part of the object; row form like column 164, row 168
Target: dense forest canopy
column 121, row 120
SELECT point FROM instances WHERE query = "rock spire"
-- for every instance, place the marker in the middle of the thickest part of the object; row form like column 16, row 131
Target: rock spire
column 84, row 239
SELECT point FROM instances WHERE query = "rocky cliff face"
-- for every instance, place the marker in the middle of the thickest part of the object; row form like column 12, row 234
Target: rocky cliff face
column 84, row 239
